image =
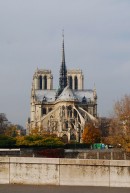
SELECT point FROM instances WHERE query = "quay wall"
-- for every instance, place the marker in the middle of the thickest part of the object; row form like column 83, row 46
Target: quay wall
column 59, row 171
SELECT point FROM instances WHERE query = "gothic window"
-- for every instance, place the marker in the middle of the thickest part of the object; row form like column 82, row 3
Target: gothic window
column 44, row 111
column 84, row 100
column 73, row 137
column 71, row 114
column 75, row 113
column 63, row 108
column 66, row 124
column 44, row 99
column 70, row 82
column 69, row 111
column 40, row 82
column 50, row 109
column 69, row 108
column 45, row 82
column 75, row 83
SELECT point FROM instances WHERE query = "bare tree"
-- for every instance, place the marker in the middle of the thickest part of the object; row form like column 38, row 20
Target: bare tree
column 3, row 122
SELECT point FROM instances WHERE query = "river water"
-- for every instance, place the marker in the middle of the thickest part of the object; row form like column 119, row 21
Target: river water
column 59, row 189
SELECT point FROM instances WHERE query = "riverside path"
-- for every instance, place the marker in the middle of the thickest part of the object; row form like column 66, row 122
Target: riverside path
column 59, row 189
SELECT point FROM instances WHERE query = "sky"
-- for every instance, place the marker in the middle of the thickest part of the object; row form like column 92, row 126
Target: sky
column 97, row 40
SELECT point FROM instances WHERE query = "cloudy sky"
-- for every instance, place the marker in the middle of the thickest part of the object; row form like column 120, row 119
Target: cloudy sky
column 97, row 40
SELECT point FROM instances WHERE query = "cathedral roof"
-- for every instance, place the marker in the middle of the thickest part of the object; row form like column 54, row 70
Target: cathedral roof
column 67, row 95
column 88, row 94
column 49, row 95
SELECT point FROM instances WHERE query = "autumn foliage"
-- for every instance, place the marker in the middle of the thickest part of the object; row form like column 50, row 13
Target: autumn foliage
column 122, row 115
column 91, row 134
column 119, row 130
column 47, row 140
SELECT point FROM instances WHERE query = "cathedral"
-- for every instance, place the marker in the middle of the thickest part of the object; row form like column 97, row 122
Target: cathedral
column 63, row 111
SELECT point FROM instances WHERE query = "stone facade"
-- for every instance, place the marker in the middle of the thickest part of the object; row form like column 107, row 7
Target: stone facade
column 63, row 111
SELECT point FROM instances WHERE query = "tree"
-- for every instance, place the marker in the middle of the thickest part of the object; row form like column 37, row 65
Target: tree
column 120, row 124
column 91, row 134
column 39, row 131
column 3, row 123
column 119, row 131
column 6, row 141
column 36, row 140
column 11, row 131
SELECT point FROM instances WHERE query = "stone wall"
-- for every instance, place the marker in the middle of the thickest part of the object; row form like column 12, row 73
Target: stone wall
column 56, row 171
column 108, row 154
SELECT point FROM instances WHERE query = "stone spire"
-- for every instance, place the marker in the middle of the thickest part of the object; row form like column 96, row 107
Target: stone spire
column 63, row 70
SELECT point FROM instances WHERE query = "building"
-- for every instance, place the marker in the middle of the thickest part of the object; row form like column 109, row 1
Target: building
column 63, row 111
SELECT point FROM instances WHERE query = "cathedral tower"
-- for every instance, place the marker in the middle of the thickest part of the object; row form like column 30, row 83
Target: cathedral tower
column 65, row 111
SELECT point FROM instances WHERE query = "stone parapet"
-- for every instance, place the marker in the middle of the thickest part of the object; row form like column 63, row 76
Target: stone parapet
column 58, row 171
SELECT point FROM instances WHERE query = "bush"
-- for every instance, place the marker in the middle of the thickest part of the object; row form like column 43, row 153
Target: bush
column 6, row 141
column 39, row 141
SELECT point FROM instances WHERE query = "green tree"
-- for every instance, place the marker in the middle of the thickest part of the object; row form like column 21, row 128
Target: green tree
column 38, row 140
column 6, row 141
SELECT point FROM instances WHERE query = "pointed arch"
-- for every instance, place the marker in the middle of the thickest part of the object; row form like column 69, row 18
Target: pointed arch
column 44, row 111
column 75, row 83
column 72, row 136
column 45, row 82
column 70, row 81
column 69, row 111
column 40, row 82
column 84, row 100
